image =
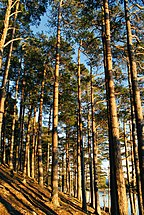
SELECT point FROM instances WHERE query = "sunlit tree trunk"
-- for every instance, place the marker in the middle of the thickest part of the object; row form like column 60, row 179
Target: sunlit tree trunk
column 5, row 29
column 133, row 177
column 21, row 125
column 2, row 43
column 78, row 163
column 128, row 172
column 95, row 149
column 119, row 187
column 48, row 147
column 75, row 169
column 33, row 145
column 136, row 97
column 84, row 206
column 135, row 148
column 11, row 164
column 40, row 163
column 90, row 153
column 63, row 174
column 67, row 163
column 4, row 139
column 112, row 182
column 26, row 170
column 55, row 118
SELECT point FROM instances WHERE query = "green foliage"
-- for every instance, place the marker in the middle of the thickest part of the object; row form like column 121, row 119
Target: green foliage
column 32, row 10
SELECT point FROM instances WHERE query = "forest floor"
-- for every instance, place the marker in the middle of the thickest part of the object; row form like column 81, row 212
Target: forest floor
column 19, row 198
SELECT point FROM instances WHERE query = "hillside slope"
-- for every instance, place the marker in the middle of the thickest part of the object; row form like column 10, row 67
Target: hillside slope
column 19, row 198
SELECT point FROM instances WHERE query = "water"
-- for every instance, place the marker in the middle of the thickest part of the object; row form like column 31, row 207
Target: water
column 104, row 200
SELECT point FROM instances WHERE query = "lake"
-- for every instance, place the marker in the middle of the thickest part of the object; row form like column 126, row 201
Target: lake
column 103, row 198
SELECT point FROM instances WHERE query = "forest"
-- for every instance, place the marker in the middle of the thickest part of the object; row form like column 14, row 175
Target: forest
column 71, row 106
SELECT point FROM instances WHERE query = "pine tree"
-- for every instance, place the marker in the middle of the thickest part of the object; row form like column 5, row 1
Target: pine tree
column 121, row 205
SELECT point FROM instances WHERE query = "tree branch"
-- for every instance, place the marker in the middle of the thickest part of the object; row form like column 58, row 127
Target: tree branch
column 14, row 3
column 136, row 5
column 15, row 13
column 10, row 41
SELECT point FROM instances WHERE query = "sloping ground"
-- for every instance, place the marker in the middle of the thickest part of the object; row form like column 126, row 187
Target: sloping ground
column 19, row 198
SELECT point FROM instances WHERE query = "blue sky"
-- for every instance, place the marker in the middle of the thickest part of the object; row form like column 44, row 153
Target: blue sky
column 43, row 27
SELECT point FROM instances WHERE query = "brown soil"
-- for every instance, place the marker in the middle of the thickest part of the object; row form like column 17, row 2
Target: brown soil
column 20, row 198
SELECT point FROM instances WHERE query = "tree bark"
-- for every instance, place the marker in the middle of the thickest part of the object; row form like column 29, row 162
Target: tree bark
column 48, row 147
column 13, row 126
column 2, row 42
column 112, row 182
column 63, row 174
column 4, row 139
column 135, row 150
column 55, row 118
column 21, row 125
column 75, row 169
column 26, row 171
column 95, row 149
column 136, row 97
column 90, row 155
column 5, row 30
column 119, row 187
column 128, row 173
column 84, row 206
column 67, row 163
column 40, row 163
column 33, row 145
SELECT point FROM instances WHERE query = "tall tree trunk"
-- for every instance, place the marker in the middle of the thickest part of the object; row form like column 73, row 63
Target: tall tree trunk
column 112, row 182
column 128, row 173
column 13, row 125
column 21, row 125
column 33, row 145
column 55, row 118
column 133, row 177
column 95, row 149
column 2, row 42
column 84, row 206
column 4, row 139
column 90, row 155
column 78, row 163
column 75, row 169
column 40, row 163
column 48, row 147
column 136, row 97
column 114, row 143
column 137, row 170
column 26, row 158
column 67, row 163
column 135, row 148
column 63, row 184
column 5, row 30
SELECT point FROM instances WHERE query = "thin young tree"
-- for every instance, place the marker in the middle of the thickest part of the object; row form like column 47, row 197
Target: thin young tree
column 78, row 163
column 33, row 145
column 40, row 163
column 84, row 206
column 95, row 148
column 13, row 125
column 90, row 151
column 128, row 171
column 26, row 167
